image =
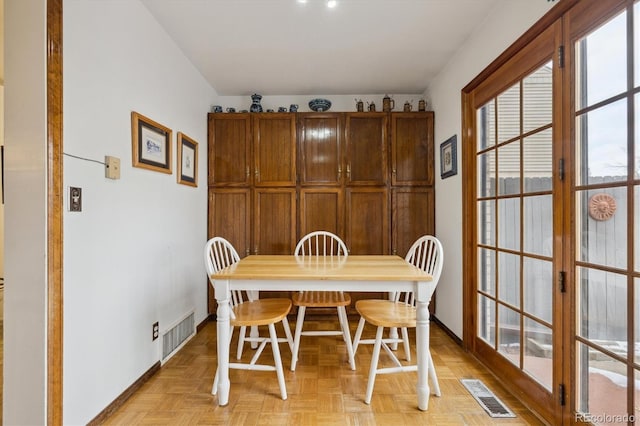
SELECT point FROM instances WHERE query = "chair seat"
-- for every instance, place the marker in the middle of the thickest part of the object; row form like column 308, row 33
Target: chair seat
column 321, row 299
column 385, row 313
column 261, row 312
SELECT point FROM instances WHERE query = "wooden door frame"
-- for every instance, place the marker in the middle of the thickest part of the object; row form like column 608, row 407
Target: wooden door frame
column 54, row 212
column 549, row 22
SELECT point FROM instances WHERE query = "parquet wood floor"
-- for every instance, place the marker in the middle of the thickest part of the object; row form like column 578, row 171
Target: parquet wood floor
column 322, row 391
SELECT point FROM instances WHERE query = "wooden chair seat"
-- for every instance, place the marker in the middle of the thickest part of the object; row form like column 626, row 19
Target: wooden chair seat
column 260, row 312
column 321, row 299
column 218, row 254
column 426, row 254
column 386, row 313
column 330, row 246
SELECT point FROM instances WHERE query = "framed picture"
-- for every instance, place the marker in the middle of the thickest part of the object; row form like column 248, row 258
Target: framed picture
column 187, row 160
column 151, row 144
column 448, row 157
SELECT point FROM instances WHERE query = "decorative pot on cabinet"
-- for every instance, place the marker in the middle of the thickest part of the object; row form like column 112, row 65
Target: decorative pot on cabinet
column 255, row 103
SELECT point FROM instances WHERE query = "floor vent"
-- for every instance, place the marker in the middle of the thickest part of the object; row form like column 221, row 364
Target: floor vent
column 491, row 404
column 174, row 338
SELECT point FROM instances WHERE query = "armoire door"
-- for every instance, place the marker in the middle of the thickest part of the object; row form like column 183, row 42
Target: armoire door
column 366, row 148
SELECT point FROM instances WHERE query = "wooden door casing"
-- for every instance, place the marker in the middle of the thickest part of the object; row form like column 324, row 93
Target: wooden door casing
column 229, row 149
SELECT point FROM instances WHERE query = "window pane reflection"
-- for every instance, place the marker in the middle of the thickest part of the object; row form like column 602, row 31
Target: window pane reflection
column 536, row 98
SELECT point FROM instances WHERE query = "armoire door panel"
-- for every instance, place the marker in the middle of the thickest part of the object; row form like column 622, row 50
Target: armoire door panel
column 366, row 145
column 229, row 149
column 412, row 148
column 321, row 209
column 274, row 215
column 230, row 218
column 367, row 220
column 320, row 148
column 274, row 144
column 412, row 216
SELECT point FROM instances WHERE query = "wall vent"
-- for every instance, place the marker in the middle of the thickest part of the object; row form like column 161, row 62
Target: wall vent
column 491, row 404
column 175, row 337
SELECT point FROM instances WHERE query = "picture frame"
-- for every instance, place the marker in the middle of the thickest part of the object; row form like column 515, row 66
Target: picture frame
column 150, row 144
column 187, row 160
column 449, row 157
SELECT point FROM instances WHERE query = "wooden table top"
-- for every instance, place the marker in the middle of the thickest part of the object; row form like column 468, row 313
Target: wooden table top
column 330, row 268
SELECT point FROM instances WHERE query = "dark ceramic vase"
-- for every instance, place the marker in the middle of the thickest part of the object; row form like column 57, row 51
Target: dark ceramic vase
column 255, row 103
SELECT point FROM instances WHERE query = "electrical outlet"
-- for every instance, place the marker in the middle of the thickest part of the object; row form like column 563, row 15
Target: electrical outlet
column 75, row 199
column 156, row 331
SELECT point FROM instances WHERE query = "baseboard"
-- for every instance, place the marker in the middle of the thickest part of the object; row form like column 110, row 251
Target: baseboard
column 124, row 396
column 120, row 400
column 444, row 328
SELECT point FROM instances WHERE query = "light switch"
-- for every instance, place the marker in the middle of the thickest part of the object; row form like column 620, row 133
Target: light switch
column 111, row 167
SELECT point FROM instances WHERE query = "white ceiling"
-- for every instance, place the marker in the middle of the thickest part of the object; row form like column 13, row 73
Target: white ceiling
column 284, row 47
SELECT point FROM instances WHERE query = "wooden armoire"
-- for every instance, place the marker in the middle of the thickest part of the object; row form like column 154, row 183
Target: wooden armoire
column 366, row 176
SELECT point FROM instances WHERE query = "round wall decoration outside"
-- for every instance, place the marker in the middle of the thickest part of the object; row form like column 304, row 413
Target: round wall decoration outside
column 602, row 206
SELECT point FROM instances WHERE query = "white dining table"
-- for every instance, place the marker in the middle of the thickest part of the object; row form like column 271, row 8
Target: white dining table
column 356, row 273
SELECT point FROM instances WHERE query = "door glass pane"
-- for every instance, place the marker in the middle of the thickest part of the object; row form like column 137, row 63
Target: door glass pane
column 487, row 270
column 487, row 174
column 538, row 224
column 537, row 99
column 602, row 238
column 509, row 113
column 602, row 304
column 509, row 278
column 602, row 145
column 538, row 288
column 602, row 56
column 509, row 223
column 602, row 387
column 509, row 169
column 509, row 334
column 537, row 161
column 486, row 319
column 487, row 222
column 538, row 352
column 486, row 126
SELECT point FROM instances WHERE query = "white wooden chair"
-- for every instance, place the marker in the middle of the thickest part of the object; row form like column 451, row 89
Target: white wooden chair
column 426, row 253
column 218, row 254
column 321, row 243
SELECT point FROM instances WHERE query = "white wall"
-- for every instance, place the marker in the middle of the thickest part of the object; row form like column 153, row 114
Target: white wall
column 24, row 395
column 508, row 21
column 133, row 256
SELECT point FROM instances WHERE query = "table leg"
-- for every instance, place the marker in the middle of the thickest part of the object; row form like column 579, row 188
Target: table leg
column 422, row 346
column 222, row 296
column 254, row 295
column 393, row 332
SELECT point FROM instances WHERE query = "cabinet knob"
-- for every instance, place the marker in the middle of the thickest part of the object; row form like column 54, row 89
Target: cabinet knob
column 247, row 252
column 393, row 171
column 256, row 173
column 248, row 172
column 339, row 172
column 349, row 171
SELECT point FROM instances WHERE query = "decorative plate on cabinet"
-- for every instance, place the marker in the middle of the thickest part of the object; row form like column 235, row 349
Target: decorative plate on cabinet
column 319, row 105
